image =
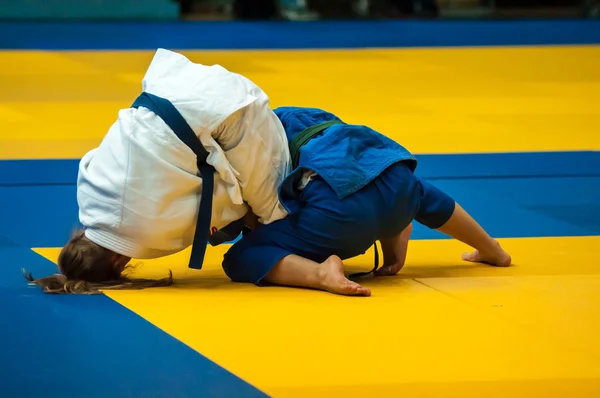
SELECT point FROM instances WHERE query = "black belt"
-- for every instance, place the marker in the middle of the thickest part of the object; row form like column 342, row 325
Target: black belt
column 164, row 109
column 298, row 142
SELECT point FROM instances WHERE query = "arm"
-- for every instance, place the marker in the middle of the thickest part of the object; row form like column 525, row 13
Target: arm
column 255, row 145
column 439, row 211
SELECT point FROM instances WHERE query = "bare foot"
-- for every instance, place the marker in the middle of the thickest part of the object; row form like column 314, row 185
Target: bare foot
column 334, row 280
column 498, row 258
column 394, row 252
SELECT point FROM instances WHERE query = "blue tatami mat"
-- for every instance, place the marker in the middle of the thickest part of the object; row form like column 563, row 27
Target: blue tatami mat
column 224, row 35
column 511, row 194
column 64, row 342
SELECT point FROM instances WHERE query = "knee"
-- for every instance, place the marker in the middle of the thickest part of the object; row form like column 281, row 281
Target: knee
column 233, row 266
column 436, row 207
column 250, row 262
column 437, row 214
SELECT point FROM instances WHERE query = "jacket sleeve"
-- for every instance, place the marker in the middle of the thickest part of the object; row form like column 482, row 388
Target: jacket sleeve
column 255, row 145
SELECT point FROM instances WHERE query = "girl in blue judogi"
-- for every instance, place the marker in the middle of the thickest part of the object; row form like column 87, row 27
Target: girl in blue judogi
column 350, row 187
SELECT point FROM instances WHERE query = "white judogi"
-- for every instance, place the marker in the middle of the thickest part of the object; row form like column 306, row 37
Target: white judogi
column 138, row 192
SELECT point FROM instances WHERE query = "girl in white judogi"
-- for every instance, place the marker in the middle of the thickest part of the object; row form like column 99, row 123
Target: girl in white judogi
column 140, row 191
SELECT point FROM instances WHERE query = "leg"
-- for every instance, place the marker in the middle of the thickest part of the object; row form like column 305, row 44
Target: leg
column 439, row 211
column 255, row 259
column 306, row 248
column 297, row 271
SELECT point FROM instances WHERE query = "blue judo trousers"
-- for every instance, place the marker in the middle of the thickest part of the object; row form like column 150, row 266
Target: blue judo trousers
column 366, row 190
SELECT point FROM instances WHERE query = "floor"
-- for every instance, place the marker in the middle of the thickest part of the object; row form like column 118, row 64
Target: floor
column 510, row 131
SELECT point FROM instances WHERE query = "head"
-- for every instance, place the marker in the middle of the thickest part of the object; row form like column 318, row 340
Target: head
column 87, row 268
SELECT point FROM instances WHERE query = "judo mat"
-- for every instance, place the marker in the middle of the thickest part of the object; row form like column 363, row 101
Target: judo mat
column 503, row 116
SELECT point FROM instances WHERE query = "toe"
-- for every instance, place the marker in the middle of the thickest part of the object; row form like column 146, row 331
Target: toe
column 352, row 289
column 472, row 256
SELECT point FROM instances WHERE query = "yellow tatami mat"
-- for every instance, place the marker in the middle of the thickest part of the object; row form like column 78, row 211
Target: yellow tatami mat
column 60, row 104
column 442, row 327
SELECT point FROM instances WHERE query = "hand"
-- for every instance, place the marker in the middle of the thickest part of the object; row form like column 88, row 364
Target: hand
column 250, row 220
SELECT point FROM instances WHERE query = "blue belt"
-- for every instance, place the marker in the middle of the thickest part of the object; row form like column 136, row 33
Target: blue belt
column 164, row 109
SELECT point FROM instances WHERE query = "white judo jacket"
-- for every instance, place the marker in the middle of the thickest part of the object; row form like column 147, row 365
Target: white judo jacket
column 139, row 192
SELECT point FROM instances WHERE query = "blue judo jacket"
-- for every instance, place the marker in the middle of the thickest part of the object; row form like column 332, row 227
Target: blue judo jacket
column 347, row 157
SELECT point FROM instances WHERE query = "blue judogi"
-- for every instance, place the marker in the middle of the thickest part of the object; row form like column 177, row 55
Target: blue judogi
column 365, row 191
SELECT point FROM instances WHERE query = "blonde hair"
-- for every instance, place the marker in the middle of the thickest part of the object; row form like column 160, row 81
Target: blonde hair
column 87, row 268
